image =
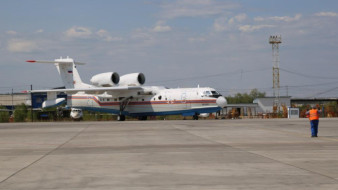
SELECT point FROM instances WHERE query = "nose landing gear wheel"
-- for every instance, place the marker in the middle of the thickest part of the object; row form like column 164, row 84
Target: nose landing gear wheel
column 121, row 118
column 142, row 118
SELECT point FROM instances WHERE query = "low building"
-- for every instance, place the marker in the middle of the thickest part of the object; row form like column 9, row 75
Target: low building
column 298, row 102
column 265, row 105
column 240, row 110
column 11, row 100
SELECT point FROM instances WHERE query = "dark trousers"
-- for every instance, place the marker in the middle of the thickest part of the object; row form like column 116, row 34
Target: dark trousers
column 314, row 127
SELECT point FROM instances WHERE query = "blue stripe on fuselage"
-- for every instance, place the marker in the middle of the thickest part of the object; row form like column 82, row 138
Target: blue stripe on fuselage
column 188, row 112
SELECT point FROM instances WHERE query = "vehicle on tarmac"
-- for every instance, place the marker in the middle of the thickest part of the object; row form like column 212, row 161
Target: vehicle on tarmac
column 76, row 114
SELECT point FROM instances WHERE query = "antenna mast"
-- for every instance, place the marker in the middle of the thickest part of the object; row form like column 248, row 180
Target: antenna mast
column 275, row 41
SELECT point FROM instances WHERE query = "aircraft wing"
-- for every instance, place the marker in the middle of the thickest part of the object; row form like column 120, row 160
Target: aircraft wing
column 98, row 90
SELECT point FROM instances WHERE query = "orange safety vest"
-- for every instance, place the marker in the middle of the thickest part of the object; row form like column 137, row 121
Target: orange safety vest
column 314, row 115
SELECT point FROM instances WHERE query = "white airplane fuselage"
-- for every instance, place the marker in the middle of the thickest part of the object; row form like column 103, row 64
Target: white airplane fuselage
column 126, row 95
column 154, row 101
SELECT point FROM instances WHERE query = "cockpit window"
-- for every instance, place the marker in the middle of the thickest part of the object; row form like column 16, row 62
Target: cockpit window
column 206, row 93
column 213, row 94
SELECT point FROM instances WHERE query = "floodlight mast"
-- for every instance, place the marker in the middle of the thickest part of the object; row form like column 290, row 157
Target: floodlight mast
column 275, row 41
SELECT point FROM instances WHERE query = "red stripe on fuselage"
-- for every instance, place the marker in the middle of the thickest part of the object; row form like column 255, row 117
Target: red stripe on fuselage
column 115, row 103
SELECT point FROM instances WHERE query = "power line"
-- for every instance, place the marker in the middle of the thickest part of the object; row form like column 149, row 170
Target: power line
column 286, row 86
column 318, row 84
column 306, row 75
column 241, row 71
column 324, row 92
column 15, row 86
column 294, row 88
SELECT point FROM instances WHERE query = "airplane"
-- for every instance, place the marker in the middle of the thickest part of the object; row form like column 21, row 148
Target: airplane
column 126, row 95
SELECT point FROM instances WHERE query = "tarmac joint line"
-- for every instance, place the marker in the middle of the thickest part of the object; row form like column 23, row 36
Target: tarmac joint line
column 254, row 153
column 45, row 155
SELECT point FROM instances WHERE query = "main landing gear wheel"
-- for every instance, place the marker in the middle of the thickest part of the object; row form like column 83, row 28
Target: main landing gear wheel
column 123, row 104
column 121, row 118
column 195, row 117
column 142, row 118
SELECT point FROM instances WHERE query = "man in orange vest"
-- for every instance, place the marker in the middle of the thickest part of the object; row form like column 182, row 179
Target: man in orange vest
column 313, row 115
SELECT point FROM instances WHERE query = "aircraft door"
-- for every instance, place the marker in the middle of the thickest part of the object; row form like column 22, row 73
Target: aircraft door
column 89, row 101
column 168, row 98
column 184, row 98
column 184, row 101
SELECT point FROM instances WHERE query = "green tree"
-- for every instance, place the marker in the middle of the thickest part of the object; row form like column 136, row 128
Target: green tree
column 245, row 97
column 256, row 94
column 20, row 113
column 4, row 115
column 29, row 116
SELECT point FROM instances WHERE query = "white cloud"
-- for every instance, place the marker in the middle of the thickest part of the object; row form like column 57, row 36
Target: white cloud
column 195, row 8
column 23, row 46
column 279, row 18
column 103, row 34
column 86, row 33
column 78, row 32
column 143, row 38
column 220, row 24
column 161, row 27
column 224, row 24
column 197, row 39
column 240, row 17
column 11, row 32
column 260, row 19
column 40, row 31
column 251, row 28
column 116, row 39
column 329, row 14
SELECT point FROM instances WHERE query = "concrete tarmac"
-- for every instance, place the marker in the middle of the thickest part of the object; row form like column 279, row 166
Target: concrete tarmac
column 204, row 154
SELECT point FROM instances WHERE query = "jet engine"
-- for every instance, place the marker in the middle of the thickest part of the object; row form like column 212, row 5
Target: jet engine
column 105, row 79
column 133, row 79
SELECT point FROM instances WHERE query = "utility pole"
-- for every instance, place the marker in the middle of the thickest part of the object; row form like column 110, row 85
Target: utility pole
column 31, row 103
column 12, row 103
column 287, row 91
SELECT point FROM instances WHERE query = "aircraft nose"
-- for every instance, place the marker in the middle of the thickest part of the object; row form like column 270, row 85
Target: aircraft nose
column 221, row 102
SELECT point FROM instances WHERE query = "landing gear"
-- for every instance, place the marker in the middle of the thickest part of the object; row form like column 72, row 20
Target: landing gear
column 142, row 118
column 121, row 118
column 123, row 104
column 195, row 117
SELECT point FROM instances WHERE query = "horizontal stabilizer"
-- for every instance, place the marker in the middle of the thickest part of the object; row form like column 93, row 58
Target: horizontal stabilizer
column 60, row 62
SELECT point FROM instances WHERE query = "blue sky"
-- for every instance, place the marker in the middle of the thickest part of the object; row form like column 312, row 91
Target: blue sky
column 221, row 44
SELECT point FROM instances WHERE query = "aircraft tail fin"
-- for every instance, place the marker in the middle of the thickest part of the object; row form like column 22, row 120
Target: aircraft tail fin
column 67, row 71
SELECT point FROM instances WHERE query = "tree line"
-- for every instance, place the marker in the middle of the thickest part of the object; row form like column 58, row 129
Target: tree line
column 243, row 98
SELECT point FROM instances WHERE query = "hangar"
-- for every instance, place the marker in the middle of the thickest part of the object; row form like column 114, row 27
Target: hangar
column 35, row 100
